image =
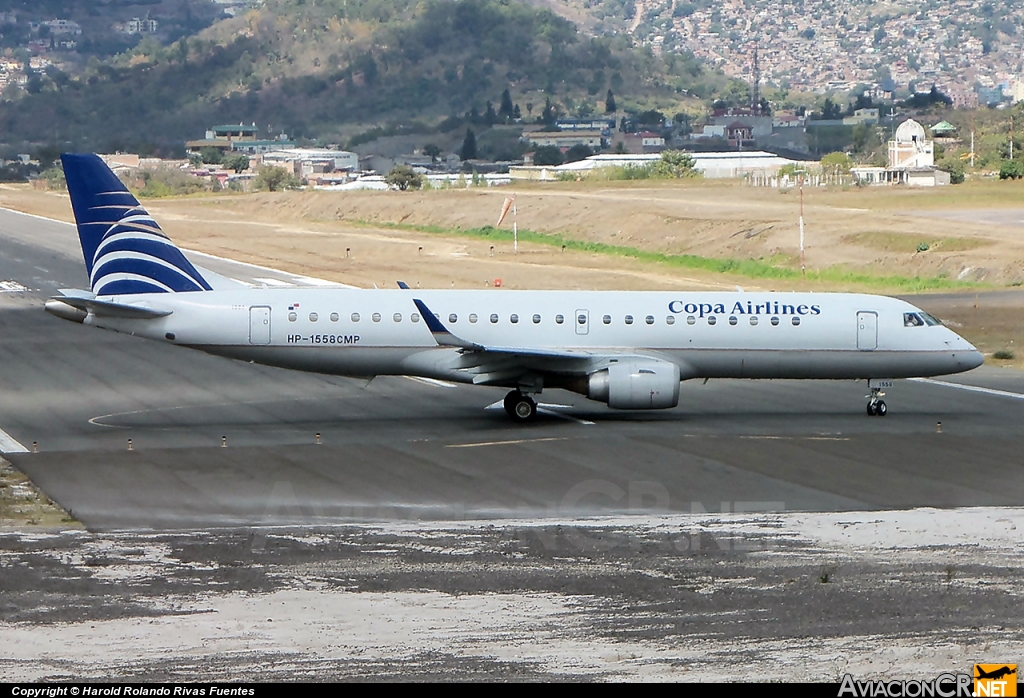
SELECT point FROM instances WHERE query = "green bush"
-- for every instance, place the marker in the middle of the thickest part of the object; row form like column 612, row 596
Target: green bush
column 1004, row 354
column 1011, row 169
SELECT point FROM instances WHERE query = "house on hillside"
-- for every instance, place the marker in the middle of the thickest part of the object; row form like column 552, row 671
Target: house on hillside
column 911, row 161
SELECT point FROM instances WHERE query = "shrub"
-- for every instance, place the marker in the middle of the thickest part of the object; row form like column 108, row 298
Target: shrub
column 1011, row 169
column 1004, row 355
column 403, row 178
column 275, row 179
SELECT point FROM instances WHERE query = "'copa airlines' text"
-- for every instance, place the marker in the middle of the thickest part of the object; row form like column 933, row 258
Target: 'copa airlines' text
column 741, row 308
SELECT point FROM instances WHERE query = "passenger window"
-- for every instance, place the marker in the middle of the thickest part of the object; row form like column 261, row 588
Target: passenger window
column 796, row 319
column 607, row 319
column 472, row 318
column 559, row 319
column 334, row 317
column 415, row 317
column 775, row 320
column 733, row 320
column 629, row 319
column 690, row 320
column 355, row 317
column 514, row 318
column 536, row 319
column 398, row 317
column 375, row 317
column 313, row 317
column 670, row 319
column 753, row 319
column 453, row 318
column 582, row 319
column 292, row 317
column 494, row 318
column 649, row 319
column 712, row 319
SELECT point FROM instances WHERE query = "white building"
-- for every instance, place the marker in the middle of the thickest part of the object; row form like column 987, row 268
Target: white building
column 719, row 165
column 911, row 161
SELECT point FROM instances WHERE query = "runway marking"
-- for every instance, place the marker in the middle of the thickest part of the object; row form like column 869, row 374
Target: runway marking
column 431, row 381
column 511, row 441
column 800, row 438
column 970, row 388
column 271, row 282
column 11, row 286
column 8, row 444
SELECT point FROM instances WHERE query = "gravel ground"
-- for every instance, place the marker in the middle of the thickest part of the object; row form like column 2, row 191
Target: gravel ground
column 698, row 597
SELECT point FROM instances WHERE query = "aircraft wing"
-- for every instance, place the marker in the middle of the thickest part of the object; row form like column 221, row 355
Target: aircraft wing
column 500, row 364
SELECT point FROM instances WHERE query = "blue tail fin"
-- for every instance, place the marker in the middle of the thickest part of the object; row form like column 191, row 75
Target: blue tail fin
column 125, row 250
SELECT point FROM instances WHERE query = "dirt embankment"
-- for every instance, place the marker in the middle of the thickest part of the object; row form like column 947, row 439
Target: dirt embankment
column 332, row 234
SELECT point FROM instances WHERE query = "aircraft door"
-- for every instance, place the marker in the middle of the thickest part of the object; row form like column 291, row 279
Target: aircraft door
column 582, row 322
column 259, row 324
column 867, row 330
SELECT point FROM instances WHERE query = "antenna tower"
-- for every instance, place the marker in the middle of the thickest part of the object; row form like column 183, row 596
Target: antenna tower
column 756, row 91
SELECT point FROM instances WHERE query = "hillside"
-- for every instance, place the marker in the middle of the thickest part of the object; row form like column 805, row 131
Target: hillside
column 327, row 69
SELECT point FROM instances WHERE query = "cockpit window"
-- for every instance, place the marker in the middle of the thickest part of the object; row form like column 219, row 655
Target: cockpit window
column 929, row 320
column 912, row 320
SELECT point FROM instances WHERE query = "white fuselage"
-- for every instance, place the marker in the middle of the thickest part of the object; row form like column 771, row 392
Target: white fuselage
column 361, row 332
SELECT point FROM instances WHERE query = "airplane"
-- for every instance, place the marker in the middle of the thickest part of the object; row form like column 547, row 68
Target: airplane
column 629, row 350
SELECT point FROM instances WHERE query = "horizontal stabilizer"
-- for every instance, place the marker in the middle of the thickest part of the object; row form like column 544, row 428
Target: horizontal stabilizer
column 109, row 309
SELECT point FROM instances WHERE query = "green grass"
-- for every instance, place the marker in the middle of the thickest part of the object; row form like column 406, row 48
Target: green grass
column 749, row 268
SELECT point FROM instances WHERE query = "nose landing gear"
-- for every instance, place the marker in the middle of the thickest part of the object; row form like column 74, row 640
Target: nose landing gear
column 521, row 408
column 876, row 406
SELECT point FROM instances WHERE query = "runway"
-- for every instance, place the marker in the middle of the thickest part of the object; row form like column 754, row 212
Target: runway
column 217, row 442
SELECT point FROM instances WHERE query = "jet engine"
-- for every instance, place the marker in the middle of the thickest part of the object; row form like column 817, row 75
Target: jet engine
column 636, row 385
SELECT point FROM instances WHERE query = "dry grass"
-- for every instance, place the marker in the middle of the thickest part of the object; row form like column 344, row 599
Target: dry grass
column 23, row 505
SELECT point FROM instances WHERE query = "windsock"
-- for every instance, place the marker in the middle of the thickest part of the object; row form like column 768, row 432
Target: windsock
column 504, row 209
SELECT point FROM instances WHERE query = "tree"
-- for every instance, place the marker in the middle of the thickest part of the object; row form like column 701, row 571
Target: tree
column 577, row 152
column 211, row 155
column 403, row 178
column 275, row 179
column 432, row 150
column 239, row 162
column 506, row 109
column 517, row 114
column 836, row 162
column 489, row 116
column 547, row 155
column 609, row 103
column 675, row 163
column 468, row 150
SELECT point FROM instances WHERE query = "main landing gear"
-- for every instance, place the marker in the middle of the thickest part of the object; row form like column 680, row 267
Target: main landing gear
column 521, row 408
column 876, row 406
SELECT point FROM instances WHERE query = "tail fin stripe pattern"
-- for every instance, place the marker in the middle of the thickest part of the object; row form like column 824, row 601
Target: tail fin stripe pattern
column 165, row 275
column 125, row 251
column 130, row 285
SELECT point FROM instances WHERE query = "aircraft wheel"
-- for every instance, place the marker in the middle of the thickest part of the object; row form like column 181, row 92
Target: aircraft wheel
column 881, row 409
column 871, row 409
column 524, row 410
column 510, row 402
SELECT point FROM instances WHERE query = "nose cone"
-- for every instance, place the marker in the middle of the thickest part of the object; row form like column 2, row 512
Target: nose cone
column 970, row 359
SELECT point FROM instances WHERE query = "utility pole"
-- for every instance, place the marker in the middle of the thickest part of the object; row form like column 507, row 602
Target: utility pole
column 972, row 149
column 1011, row 136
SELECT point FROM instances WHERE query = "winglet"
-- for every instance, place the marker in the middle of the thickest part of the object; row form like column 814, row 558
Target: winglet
column 441, row 334
column 402, row 285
